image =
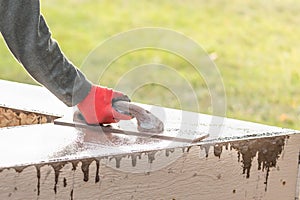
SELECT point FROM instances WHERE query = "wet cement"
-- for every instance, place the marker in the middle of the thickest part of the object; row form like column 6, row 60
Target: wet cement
column 266, row 150
column 38, row 175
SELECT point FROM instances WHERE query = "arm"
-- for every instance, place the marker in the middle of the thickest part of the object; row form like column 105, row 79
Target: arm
column 29, row 39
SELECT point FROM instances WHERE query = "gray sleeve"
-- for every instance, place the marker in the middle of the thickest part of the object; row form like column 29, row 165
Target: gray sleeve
column 29, row 39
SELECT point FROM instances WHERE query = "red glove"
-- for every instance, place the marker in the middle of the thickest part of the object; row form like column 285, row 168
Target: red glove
column 97, row 106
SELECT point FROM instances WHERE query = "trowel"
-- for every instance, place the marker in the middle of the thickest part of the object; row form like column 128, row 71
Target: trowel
column 144, row 124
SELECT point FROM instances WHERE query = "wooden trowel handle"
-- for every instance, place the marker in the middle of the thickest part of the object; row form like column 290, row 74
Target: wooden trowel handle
column 147, row 122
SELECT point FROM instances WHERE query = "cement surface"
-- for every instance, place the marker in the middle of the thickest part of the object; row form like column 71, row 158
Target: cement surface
column 34, row 144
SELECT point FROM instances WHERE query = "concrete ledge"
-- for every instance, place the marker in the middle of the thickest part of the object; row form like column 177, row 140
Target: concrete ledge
column 239, row 160
column 254, row 169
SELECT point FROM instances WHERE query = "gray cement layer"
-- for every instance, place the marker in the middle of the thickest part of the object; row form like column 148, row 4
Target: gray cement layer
column 34, row 144
column 238, row 160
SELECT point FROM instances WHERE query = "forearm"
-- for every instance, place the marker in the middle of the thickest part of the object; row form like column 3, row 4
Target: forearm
column 28, row 37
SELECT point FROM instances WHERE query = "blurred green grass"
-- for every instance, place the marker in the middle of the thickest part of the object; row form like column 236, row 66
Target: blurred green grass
column 256, row 42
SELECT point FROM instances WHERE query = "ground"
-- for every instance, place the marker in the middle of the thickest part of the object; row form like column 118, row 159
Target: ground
column 256, row 46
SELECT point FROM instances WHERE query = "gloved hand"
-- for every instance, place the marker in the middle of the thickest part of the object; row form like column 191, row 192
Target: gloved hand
column 97, row 106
